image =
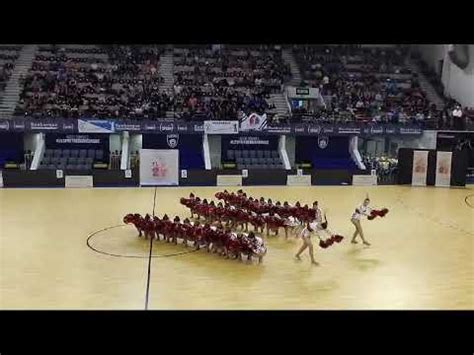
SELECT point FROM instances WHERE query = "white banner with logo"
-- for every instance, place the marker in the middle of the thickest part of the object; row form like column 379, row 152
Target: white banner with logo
column 420, row 168
column 95, row 126
column 298, row 180
column 1, row 178
column 443, row 168
column 221, row 127
column 253, row 122
column 159, row 167
column 79, row 181
column 229, row 180
column 364, row 180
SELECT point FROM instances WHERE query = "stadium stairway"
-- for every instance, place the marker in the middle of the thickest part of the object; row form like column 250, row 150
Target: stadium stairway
column 13, row 89
column 425, row 85
column 288, row 57
column 166, row 72
column 281, row 106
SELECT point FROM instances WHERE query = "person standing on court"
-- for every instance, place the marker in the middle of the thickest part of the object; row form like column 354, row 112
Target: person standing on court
column 306, row 236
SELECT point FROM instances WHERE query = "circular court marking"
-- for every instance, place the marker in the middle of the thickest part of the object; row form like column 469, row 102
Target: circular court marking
column 101, row 233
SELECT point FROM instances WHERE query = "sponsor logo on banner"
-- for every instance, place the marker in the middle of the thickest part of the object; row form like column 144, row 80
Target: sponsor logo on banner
column 68, row 126
column 314, row 129
column 390, row 130
column 44, row 126
column 328, row 130
column 149, row 127
column 95, row 126
column 420, row 168
column 19, row 126
column 284, row 129
column 299, row 129
column 182, row 127
column 166, row 127
column 198, row 128
column 410, row 131
column 348, row 130
column 253, row 122
column 376, row 130
column 172, row 140
column 128, row 127
column 323, row 142
column 221, row 127
column 4, row 125
column 443, row 168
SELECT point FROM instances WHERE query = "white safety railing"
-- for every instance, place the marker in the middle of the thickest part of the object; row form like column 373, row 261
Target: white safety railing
column 354, row 151
column 206, row 151
column 283, row 152
column 40, row 147
column 124, row 160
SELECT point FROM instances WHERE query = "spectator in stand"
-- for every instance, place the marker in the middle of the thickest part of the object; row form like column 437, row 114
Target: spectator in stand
column 458, row 118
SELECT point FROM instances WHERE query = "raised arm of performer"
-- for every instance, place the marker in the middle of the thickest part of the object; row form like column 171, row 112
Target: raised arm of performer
column 362, row 210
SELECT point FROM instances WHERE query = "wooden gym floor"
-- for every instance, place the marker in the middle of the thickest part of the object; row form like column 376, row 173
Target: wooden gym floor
column 421, row 255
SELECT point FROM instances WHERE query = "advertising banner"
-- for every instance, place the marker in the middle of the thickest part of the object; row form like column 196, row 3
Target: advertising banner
column 159, row 167
column 229, row 180
column 95, row 126
column 298, row 180
column 257, row 124
column 78, row 181
column 420, row 168
column 443, row 168
column 221, row 127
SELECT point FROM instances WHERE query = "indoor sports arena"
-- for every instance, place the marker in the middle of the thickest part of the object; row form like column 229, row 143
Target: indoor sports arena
column 236, row 177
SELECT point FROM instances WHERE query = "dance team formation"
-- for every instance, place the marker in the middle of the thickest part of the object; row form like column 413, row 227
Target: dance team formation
column 223, row 227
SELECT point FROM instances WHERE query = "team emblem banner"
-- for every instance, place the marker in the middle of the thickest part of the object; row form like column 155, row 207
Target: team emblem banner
column 420, row 168
column 159, row 167
column 443, row 168
column 253, row 122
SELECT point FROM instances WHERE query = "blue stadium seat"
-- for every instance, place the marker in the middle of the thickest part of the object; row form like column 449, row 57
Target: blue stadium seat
column 99, row 155
column 91, row 153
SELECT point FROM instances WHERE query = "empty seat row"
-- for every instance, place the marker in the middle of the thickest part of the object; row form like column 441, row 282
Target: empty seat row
column 240, row 160
column 259, row 166
column 231, row 154
column 83, row 153
column 67, row 160
column 66, row 166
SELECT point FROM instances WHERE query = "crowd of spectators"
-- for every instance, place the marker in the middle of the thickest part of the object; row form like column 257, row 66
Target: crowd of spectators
column 363, row 84
column 357, row 84
column 113, row 81
column 216, row 83
column 8, row 56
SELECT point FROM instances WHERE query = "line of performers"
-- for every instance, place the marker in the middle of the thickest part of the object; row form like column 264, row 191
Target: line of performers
column 239, row 211
column 216, row 238
column 304, row 221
